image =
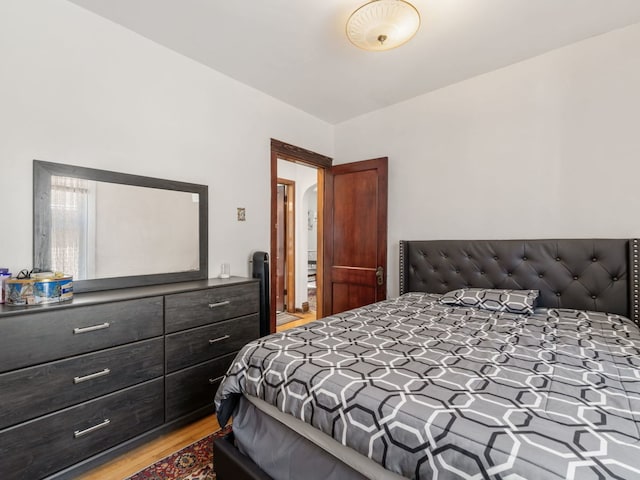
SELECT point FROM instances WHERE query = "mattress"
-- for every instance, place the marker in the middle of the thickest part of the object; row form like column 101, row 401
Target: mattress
column 429, row 390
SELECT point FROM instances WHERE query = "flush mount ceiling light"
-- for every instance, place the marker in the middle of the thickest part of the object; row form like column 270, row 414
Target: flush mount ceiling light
column 383, row 24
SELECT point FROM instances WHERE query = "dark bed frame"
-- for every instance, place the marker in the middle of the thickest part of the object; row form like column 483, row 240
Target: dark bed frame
column 585, row 274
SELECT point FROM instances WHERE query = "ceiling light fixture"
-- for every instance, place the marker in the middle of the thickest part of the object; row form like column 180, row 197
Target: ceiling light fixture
column 383, row 24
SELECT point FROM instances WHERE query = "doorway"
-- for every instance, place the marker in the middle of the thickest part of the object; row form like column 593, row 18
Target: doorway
column 306, row 292
column 297, row 240
column 351, row 232
column 285, row 247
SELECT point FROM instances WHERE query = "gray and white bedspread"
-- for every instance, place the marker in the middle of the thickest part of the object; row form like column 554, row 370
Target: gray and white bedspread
column 432, row 391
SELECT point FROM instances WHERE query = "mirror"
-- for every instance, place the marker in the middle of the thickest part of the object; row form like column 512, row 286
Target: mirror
column 114, row 230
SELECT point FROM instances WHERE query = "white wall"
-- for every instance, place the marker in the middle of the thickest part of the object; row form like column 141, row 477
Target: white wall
column 144, row 231
column 78, row 89
column 549, row 147
column 544, row 148
column 310, row 204
column 305, row 177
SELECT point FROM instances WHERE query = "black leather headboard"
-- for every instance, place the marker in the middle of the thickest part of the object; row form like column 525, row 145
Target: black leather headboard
column 585, row 274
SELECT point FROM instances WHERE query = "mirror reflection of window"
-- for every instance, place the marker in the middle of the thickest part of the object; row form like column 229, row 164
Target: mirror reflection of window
column 69, row 233
column 116, row 230
column 102, row 229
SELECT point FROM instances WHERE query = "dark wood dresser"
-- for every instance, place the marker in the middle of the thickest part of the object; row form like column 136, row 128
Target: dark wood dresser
column 84, row 381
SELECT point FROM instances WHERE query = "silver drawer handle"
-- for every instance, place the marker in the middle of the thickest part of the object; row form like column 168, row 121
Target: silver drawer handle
column 91, row 376
column 214, row 380
column 93, row 328
column 219, row 339
column 80, row 433
column 219, row 304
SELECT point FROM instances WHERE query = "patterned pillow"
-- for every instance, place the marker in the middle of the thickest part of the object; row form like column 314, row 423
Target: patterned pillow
column 514, row 301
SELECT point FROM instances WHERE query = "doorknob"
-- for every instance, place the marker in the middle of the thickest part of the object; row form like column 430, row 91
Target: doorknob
column 380, row 275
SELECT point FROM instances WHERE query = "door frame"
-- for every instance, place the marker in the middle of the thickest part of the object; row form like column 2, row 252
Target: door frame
column 295, row 154
column 289, row 242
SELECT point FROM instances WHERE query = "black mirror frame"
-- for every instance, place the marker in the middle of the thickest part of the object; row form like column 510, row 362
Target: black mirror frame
column 42, row 172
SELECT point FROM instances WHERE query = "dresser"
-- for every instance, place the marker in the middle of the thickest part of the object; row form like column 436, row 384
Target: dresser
column 84, row 381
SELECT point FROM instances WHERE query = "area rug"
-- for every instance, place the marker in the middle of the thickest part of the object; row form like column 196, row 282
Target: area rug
column 194, row 462
column 282, row 318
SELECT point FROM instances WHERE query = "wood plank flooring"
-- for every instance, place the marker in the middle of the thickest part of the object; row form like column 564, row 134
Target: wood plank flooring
column 304, row 318
column 145, row 455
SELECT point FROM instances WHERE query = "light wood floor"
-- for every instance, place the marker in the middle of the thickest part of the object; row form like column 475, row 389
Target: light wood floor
column 304, row 318
column 147, row 454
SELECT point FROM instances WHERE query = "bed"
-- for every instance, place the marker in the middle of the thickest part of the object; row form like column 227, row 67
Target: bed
column 505, row 359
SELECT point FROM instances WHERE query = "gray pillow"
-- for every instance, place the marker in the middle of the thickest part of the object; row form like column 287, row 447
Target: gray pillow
column 514, row 301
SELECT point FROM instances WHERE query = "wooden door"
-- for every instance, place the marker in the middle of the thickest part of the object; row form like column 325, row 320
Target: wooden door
column 280, row 248
column 286, row 253
column 355, row 235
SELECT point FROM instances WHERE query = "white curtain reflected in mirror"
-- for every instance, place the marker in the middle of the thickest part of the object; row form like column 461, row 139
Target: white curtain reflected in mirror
column 69, row 228
column 104, row 230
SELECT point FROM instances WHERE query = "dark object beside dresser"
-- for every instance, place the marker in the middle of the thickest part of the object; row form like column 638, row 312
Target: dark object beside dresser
column 84, row 381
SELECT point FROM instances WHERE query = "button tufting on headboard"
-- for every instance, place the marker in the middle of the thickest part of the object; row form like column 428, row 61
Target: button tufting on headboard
column 586, row 274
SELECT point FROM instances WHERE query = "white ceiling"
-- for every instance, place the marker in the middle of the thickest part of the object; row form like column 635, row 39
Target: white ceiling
column 297, row 50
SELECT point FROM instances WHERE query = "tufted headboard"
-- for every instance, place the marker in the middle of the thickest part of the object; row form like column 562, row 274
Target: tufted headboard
column 585, row 274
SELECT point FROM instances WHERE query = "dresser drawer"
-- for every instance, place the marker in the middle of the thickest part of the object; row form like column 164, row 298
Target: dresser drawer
column 34, row 391
column 196, row 345
column 195, row 387
column 63, row 332
column 41, row 447
column 192, row 309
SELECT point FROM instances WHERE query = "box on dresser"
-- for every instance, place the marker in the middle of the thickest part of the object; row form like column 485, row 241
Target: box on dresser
column 84, row 381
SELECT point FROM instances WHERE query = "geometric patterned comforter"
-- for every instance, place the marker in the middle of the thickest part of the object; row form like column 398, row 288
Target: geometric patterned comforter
column 432, row 391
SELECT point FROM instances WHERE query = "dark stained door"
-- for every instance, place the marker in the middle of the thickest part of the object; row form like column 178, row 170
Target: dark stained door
column 355, row 235
column 280, row 248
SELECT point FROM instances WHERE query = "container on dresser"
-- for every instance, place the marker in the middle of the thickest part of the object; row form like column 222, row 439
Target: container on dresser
column 84, row 381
